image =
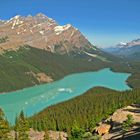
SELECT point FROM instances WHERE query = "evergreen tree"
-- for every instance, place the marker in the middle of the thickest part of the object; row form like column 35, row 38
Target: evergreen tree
column 4, row 127
column 22, row 127
column 92, row 125
column 15, row 128
column 128, row 124
column 77, row 132
column 88, row 109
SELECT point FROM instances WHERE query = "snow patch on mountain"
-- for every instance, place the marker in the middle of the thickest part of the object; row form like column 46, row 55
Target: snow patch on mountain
column 41, row 32
column 90, row 54
column 60, row 29
column 123, row 43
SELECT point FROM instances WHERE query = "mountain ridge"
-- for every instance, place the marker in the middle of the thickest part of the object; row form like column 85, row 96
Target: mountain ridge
column 130, row 50
column 42, row 32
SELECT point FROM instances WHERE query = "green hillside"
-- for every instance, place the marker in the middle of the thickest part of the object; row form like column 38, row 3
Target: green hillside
column 14, row 66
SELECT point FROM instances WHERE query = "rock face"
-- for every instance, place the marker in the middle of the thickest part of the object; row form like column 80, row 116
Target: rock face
column 41, row 32
column 119, row 117
column 58, row 135
column 121, row 114
column 41, row 77
column 103, row 129
column 35, row 135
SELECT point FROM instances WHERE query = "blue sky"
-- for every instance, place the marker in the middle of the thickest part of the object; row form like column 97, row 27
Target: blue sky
column 104, row 22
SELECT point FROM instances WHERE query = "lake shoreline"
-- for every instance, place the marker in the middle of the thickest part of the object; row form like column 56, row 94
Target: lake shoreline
column 10, row 92
column 34, row 99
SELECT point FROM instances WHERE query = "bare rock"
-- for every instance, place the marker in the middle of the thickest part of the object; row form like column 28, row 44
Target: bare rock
column 54, row 135
column 42, row 32
column 103, row 129
column 41, row 77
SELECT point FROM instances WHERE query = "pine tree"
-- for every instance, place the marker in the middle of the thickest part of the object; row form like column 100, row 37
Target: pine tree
column 92, row 125
column 22, row 127
column 76, row 131
column 4, row 127
column 128, row 124
column 16, row 124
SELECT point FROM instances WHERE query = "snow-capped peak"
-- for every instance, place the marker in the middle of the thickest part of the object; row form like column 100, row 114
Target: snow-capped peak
column 60, row 29
column 14, row 18
column 41, row 15
column 123, row 43
column 17, row 16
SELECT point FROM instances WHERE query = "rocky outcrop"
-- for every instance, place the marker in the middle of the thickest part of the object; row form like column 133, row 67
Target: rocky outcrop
column 119, row 117
column 41, row 77
column 36, row 135
column 58, row 135
column 54, row 135
column 103, row 129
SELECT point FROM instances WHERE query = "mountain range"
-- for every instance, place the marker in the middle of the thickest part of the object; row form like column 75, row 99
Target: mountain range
column 130, row 50
column 36, row 49
column 42, row 32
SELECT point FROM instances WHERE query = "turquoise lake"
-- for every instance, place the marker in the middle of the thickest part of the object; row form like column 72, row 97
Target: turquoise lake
column 34, row 99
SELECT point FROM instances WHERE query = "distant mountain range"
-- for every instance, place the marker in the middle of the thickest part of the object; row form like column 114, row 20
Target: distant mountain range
column 130, row 50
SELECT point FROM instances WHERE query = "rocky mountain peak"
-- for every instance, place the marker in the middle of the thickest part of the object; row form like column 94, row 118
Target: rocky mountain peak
column 41, row 15
column 133, row 43
column 42, row 32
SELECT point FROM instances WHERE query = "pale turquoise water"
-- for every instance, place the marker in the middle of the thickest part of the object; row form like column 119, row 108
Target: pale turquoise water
column 34, row 99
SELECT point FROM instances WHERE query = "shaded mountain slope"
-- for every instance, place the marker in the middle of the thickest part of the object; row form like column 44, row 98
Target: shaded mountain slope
column 18, row 69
